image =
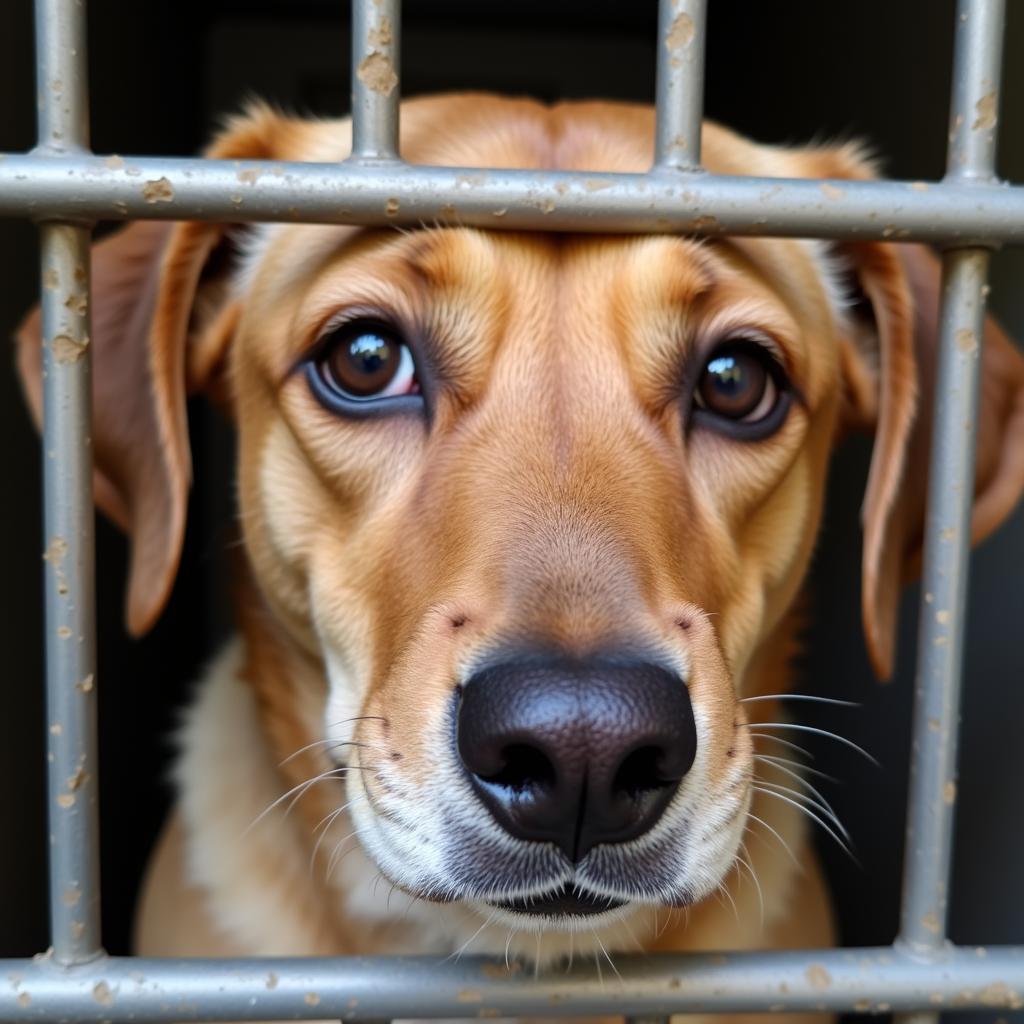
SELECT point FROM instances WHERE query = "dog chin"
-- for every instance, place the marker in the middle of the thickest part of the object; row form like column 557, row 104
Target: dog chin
column 539, row 941
column 542, row 922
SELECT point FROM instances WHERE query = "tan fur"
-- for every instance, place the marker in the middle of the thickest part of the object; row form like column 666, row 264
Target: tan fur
column 555, row 497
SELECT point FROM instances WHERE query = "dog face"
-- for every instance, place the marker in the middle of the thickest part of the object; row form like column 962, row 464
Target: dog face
column 536, row 505
column 589, row 470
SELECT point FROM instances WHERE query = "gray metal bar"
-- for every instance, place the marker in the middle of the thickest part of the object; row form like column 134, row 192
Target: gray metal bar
column 67, row 492
column 656, row 985
column 61, row 75
column 977, row 74
column 376, row 52
column 679, row 100
column 944, row 586
column 950, row 494
column 181, row 189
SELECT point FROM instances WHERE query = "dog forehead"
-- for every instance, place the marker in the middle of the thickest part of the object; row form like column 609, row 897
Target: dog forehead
column 478, row 294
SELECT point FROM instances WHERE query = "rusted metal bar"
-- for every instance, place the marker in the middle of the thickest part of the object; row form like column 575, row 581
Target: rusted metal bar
column 67, row 493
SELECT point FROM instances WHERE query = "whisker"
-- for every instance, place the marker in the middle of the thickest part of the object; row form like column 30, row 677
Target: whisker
column 329, row 819
column 332, row 863
column 607, row 956
column 356, row 718
column 801, row 696
column 723, row 888
column 810, row 814
column 325, row 777
column 825, row 809
column 411, row 901
column 819, row 732
column 302, row 787
column 785, row 845
column 803, row 782
column 773, row 759
column 632, row 935
column 757, row 885
column 319, row 743
column 785, row 743
column 462, row 949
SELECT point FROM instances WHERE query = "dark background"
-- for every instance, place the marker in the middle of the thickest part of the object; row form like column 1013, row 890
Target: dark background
column 162, row 73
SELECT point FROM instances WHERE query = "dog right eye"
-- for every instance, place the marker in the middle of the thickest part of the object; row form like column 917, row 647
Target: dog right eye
column 364, row 366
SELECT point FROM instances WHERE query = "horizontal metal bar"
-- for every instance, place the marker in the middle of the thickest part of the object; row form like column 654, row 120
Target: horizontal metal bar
column 859, row 980
column 116, row 188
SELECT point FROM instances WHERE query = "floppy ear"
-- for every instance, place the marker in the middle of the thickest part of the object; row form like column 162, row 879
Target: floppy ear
column 890, row 360
column 162, row 319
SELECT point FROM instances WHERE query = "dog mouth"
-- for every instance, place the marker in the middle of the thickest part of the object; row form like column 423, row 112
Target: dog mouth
column 568, row 900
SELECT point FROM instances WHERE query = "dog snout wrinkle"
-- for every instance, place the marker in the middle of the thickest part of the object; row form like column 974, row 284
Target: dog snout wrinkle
column 575, row 752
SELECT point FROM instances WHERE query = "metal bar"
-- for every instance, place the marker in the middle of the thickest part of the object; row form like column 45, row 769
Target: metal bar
column 149, row 188
column 944, row 587
column 61, row 76
column 950, row 495
column 679, row 100
column 376, row 59
column 70, row 579
column 67, row 491
column 656, row 985
column 977, row 74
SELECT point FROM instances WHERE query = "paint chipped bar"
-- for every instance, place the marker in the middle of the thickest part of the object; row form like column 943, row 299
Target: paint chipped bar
column 70, row 631
column 376, row 49
column 386, row 988
column 680, row 84
column 932, row 796
column 148, row 188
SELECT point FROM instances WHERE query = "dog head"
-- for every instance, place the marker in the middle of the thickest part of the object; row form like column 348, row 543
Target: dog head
column 535, row 505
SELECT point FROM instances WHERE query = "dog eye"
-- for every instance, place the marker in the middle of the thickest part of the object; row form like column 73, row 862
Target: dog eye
column 363, row 363
column 743, row 385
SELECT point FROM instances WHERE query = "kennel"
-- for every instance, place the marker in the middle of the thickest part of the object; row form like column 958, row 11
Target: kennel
column 64, row 188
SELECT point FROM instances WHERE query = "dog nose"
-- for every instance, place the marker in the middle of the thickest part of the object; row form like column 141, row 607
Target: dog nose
column 576, row 753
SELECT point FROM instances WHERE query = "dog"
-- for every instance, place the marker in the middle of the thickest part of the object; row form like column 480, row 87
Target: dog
column 526, row 517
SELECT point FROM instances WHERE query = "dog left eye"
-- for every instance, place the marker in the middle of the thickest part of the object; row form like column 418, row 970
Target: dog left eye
column 743, row 385
column 363, row 363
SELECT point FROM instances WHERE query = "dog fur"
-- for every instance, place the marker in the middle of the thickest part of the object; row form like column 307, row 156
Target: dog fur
column 556, row 492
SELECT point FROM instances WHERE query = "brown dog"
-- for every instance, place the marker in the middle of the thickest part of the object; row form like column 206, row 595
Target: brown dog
column 525, row 518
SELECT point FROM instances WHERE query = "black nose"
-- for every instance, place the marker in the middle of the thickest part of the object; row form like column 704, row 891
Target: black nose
column 576, row 753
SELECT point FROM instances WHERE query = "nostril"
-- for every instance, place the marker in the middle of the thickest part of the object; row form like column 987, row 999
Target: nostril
column 524, row 767
column 642, row 771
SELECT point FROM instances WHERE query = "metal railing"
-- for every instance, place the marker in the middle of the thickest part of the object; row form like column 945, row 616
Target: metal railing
column 65, row 188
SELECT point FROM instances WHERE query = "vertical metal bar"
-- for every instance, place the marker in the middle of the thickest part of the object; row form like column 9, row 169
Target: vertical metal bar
column 679, row 97
column 376, row 59
column 974, row 111
column 61, row 75
column 977, row 74
column 67, row 492
column 948, row 529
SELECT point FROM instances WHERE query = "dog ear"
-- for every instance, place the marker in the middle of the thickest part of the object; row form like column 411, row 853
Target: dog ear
column 162, row 320
column 890, row 354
